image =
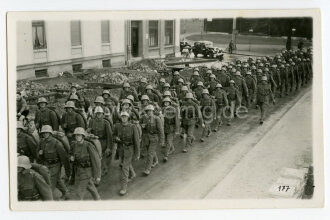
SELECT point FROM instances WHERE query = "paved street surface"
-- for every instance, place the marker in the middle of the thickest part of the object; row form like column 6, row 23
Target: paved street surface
column 231, row 161
column 287, row 145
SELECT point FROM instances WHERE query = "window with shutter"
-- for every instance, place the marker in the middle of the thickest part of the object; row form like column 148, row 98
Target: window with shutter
column 75, row 33
column 38, row 35
column 105, row 31
column 153, row 33
column 169, row 27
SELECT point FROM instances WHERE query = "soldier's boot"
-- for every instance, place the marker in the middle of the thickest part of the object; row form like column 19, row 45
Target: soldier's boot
column 132, row 174
column 165, row 159
column 123, row 192
column 208, row 132
column 155, row 162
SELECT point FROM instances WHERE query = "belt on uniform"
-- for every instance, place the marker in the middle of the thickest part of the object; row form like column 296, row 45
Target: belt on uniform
column 52, row 161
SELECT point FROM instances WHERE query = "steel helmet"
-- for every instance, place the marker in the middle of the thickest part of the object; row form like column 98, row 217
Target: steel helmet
column 218, row 85
column 282, row 66
column 149, row 87
column 126, row 85
column 230, row 67
column 254, row 67
column 293, row 64
column 46, row 129
column 200, row 83
column 167, row 99
column 238, row 73
column 69, row 104
column 261, row 64
column 98, row 109
column 42, row 100
column 131, row 98
column 20, row 125
column 144, row 80
column 180, row 80
column 196, row 69
column 223, row 68
column 167, row 85
column 184, row 88
column 99, row 99
column 150, row 107
column 212, row 76
column 248, row 73
column 74, row 97
column 162, row 80
column 266, row 70
column 274, row 65
column 233, row 70
column 264, row 78
column 195, row 73
column 126, row 101
column 124, row 113
column 24, row 162
column 80, row 131
column 287, row 65
column 176, row 73
column 232, row 81
column 145, row 97
column 209, row 71
column 189, row 95
column 259, row 70
column 106, row 92
column 205, row 91
column 239, row 65
column 167, row 93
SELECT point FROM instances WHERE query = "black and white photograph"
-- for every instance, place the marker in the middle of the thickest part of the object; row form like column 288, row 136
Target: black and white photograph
column 205, row 109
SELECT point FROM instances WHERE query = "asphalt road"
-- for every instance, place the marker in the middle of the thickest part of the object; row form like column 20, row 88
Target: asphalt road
column 195, row 174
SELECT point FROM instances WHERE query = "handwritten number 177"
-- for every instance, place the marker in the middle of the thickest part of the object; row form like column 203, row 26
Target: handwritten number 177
column 283, row 188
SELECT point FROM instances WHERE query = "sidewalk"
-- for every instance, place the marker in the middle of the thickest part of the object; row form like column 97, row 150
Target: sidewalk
column 287, row 145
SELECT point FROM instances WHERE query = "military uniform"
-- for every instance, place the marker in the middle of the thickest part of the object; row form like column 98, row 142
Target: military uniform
column 251, row 86
column 87, row 165
column 190, row 114
column 101, row 128
column 124, row 94
column 27, row 146
column 208, row 111
column 171, row 126
column 263, row 93
column 152, row 136
column 46, row 117
column 234, row 99
column 53, row 155
column 129, row 148
column 70, row 121
column 22, row 107
column 198, row 93
column 31, row 186
column 221, row 101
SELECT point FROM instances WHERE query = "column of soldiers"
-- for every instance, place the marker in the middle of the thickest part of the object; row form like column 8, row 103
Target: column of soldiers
column 142, row 120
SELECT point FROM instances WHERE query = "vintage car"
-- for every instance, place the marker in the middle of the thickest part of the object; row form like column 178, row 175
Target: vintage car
column 206, row 49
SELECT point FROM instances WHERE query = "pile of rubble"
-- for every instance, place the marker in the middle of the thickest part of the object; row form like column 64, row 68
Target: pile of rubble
column 149, row 65
column 103, row 76
column 31, row 88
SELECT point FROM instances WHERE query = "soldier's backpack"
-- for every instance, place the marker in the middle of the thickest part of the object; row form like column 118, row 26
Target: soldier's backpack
column 56, row 113
column 43, row 171
column 63, row 139
column 94, row 140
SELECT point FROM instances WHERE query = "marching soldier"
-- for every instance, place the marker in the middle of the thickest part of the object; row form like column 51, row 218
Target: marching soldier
column 234, row 99
column 100, row 127
column 198, row 91
column 127, row 138
column 190, row 114
column 223, row 78
column 175, row 79
column 153, row 135
column 251, row 85
column 26, row 145
column 87, row 165
column 211, row 85
column 208, row 113
column 263, row 93
column 108, row 98
column 71, row 120
column 31, row 186
column 52, row 154
column 195, row 79
column 151, row 94
column 167, row 87
column 45, row 116
column 284, row 80
column 21, row 106
column 242, row 88
column 171, row 125
column 141, row 90
column 221, row 101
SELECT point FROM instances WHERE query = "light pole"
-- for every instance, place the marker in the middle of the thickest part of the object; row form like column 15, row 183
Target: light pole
column 251, row 31
column 293, row 30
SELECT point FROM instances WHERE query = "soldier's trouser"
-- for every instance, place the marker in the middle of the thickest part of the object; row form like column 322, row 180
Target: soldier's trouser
column 55, row 178
column 188, row 131
column 284, row 87
column 262, row 106
column 232, row 109
column 207, row 128
column 104, row 163
column 220, row 112
column 126, row 154
column 169, row 137
column 151, row 144
column 86, row 184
